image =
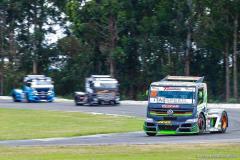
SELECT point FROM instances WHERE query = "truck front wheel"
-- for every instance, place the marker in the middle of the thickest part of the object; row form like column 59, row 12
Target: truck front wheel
column 27, row 99
column 14, row 98
column 201, row 124
column 224, row 122
column 151, row 134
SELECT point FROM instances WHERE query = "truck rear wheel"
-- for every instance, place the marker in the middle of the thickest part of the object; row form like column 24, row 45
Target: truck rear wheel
column 151, row 134
column 201, row 124
column 224, row 122
column 78, row 104
column 27, row 98
column 14, row 98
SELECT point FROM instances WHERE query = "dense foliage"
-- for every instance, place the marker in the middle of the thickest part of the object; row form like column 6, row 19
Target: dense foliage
column 136, row 41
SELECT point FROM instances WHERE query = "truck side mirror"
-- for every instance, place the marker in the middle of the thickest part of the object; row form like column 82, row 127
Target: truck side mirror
column 147, row 93
column 28, row 84
column 91, row 84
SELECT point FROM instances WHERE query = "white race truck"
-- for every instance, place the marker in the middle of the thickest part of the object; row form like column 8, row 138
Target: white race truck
column 99, row 89
column 178, row 105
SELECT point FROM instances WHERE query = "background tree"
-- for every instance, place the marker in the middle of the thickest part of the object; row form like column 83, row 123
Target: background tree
column 137, row 42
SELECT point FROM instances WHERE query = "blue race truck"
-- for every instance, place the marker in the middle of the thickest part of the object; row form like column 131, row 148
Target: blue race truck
column 178, row 105
column 36, row 88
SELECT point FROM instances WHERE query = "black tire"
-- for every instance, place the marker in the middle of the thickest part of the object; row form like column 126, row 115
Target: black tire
column 77, row 104
column 112, row 103
column 151, row 134
column 14, row 98
column 201, row 124
column 27, row 98
column 224, row 122
column 102, row 103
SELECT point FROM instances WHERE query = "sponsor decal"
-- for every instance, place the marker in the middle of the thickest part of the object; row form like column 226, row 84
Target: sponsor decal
column 172, row 88
column 164, row 122
column 103, row 91
column 170, row 106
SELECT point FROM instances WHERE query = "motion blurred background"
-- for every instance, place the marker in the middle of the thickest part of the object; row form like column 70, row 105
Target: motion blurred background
column 136, row 41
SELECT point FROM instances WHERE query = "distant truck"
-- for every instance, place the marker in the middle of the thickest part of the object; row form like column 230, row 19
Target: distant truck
column 178, row 105
column 36, row 88
column 99, row 89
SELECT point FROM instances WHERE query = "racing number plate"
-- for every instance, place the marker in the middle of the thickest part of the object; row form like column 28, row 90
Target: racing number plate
column 164, row 122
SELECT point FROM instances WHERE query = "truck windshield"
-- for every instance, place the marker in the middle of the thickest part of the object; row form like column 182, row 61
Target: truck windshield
column 174, row 95
column 42, row 82
column 106, row 85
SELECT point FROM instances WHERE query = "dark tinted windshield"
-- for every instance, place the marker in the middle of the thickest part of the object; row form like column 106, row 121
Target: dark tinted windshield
column 176, row 94
column 172, row 95
column 42, row 82
column 106, row 85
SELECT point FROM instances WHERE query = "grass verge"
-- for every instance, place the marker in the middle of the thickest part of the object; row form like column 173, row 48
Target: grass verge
column 132, row 152
column 30, row 124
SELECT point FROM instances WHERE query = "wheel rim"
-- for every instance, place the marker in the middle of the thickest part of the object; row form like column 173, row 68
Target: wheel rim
column 224, row 122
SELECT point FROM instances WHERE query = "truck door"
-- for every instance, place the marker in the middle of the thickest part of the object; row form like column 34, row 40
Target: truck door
column 200, row 98
column 202, row 101
column 88, row 86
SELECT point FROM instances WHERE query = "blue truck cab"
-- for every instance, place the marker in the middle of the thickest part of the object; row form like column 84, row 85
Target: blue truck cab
column 178, row 105
column 35, row 88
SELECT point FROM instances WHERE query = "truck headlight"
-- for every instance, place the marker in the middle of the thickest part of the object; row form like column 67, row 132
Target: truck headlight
column 34, row 92
column 50, row 92
column 194, row 120
column 149, row 120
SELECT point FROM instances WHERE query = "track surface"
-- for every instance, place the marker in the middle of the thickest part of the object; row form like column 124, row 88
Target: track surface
column 232, row 135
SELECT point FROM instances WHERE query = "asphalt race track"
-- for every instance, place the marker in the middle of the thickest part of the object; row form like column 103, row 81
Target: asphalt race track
column 232, row 134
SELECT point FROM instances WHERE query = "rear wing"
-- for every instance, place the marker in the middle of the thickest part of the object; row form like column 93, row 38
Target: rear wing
column 184, row 79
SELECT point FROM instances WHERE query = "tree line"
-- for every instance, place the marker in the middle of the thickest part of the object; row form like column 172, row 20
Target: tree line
column 136, row 41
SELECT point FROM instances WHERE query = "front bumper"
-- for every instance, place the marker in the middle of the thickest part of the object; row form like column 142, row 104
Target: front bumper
column 171, row 127
column 82, row 99
column 38, row 98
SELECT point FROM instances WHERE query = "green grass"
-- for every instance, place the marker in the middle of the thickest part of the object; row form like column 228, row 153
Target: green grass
column 134, row 152
column 30, row 124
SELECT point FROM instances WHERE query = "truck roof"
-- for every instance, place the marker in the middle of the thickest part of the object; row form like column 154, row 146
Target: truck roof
column 103, row 78
column 176, row 83
column 184, row 79
column 180, row 81
column 35, row 77
column 100, row 76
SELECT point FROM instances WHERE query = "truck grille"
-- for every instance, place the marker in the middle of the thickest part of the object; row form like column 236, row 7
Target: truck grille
column 42, row 91
column 175, row 112
column 168, row 127
column 106, row 95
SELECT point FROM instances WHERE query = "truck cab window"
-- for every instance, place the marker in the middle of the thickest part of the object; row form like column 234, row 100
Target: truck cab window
column 200, row 95
column 28, row 84
column 91, row 84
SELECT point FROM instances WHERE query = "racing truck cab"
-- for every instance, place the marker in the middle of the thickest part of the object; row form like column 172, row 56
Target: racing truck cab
column 99, row 89
column 35, row 88
column 178, row 105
